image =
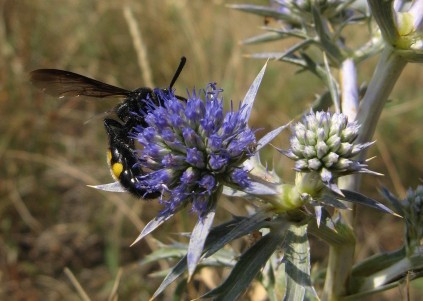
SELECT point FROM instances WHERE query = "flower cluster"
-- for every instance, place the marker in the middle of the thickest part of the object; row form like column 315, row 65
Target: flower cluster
column 324, row 143
column 192, row 148
column 414, row 204
column 300, row 11
column 413, row 212
column 411, row 208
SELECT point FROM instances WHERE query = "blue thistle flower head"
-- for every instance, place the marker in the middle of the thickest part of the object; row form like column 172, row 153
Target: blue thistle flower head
column 190, row 149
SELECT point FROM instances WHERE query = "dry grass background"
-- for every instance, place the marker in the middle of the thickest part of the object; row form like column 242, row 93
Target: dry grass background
column 50, row 220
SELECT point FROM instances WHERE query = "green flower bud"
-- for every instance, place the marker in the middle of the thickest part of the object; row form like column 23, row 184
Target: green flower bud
column 334, row 142
column 311, row 138
column 309, row 151
column 322, row 149
column 330, row 159
column 314, row 164
column 345, row 149
column 413, row 214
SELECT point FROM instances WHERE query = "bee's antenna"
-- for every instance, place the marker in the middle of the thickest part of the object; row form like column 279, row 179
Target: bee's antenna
column 178, row 71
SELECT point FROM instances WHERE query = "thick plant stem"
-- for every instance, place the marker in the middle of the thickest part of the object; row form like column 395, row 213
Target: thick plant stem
column 339, row 268
column 388, row 70
column 341, row 259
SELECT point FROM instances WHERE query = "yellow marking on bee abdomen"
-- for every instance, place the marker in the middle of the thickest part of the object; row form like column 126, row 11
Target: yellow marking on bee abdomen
column 117, row 169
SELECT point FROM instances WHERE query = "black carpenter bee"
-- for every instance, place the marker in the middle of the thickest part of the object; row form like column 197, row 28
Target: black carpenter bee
column 120, row 155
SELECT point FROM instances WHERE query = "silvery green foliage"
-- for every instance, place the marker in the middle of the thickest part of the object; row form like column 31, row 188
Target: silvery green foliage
column 312, row 24
column 386, row 270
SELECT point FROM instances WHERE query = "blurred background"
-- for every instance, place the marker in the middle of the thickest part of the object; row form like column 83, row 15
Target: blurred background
column 56, row 233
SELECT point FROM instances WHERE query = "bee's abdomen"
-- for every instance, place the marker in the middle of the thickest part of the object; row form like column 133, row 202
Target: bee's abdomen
column 123, row 162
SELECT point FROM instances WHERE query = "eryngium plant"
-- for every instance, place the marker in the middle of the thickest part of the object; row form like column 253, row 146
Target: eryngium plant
column 193, row 153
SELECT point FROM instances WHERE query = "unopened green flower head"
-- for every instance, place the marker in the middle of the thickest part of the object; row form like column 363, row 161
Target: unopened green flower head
column 301, row 10
column 324, row 143
column 414, row 202
column 413, row 214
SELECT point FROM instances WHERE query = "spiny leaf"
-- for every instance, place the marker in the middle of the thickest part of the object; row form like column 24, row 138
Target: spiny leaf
column 246, row 226
column 331, row 200
column 151, row 226
column 181, row 266
column 393, row 200
column 198, row 239
column 358, row 198
column 270, row 136
column 248, row 266
column 251, row 94
column 111, row 187
column 264, row 38
column 325, row 40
